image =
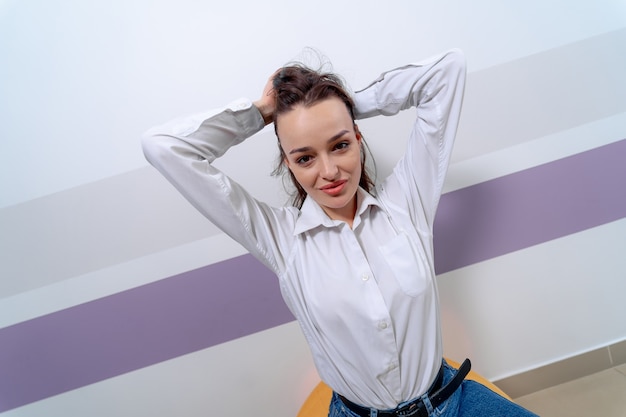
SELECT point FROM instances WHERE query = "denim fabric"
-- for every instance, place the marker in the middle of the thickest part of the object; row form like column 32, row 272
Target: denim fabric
column 470, row 400
column 338, row 408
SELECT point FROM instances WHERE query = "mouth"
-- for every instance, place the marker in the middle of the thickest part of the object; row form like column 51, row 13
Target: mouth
column 334, row 188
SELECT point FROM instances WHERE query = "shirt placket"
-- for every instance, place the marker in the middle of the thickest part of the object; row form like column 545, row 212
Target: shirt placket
column 384, row 352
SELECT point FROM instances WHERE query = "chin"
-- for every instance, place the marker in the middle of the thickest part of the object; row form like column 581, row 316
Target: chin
column 337, row 203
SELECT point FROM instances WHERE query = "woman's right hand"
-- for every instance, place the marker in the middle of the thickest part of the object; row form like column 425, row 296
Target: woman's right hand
column 267, row 103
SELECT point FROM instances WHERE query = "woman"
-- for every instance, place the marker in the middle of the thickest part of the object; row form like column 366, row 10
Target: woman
column 354, row 262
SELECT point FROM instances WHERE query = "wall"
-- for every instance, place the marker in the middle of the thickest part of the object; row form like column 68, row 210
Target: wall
column 117, row 298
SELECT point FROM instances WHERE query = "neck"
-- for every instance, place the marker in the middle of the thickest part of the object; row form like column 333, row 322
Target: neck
column 345, row 214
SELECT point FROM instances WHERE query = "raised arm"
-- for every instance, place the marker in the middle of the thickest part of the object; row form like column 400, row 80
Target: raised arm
column 435, row 87
column 183, row 150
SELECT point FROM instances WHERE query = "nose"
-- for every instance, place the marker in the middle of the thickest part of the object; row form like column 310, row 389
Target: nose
column 329, row 170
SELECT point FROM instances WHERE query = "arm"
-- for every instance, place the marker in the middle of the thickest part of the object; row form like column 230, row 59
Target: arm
column 183, row 151
column 435, row 88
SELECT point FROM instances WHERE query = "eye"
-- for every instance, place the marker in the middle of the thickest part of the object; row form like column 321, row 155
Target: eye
column 303, row 160
column 341, row 145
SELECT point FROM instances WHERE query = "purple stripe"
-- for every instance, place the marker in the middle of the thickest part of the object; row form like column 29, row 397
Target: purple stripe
column 94, row 341
column 529, row 207
column 185, row 313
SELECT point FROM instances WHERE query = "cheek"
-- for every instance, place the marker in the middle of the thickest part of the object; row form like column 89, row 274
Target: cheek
column 355, row 165
column 304, row 177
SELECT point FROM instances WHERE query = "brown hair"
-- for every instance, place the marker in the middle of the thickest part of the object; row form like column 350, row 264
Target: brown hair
column 300, row 85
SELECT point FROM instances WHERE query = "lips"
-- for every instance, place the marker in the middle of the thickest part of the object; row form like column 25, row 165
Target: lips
column 334, row 188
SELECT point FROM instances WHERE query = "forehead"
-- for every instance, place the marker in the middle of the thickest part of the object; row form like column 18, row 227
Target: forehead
column 307, row 125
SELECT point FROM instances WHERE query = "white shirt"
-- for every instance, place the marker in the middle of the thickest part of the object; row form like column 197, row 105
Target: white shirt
column 366, row 298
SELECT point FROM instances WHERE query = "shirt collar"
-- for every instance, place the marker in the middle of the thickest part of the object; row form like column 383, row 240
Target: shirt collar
column 312, row 215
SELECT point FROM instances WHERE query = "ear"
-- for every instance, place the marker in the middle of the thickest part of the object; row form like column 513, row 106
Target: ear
column 357, row 132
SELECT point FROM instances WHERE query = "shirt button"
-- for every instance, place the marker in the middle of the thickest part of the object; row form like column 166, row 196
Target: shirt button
column 382, row 325
column 365, row 277
column 392, row 366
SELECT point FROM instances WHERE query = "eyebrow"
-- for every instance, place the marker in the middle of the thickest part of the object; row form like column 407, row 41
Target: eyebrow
column 308, row 148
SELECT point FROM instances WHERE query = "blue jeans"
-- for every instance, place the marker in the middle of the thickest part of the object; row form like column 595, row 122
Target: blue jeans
column 471, row 399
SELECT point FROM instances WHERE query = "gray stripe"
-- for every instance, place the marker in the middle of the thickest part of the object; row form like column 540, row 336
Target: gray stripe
column 127, row 216
column 543, row 94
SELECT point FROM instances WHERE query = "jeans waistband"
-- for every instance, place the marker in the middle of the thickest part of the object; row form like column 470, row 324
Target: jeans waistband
column 436, row 394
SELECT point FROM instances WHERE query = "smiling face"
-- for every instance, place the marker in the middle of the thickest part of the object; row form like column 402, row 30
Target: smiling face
column 322, row 150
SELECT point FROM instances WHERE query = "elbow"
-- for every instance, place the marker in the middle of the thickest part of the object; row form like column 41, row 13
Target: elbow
column 457, row 61
column 455, row 66
column 151, row 146
column 146, row 141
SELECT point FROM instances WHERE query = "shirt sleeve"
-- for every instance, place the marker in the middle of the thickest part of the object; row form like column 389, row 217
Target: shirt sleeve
column 435, row 87
column 183, row 151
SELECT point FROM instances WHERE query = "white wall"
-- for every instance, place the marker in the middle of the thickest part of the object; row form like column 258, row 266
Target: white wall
column 80, row 81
